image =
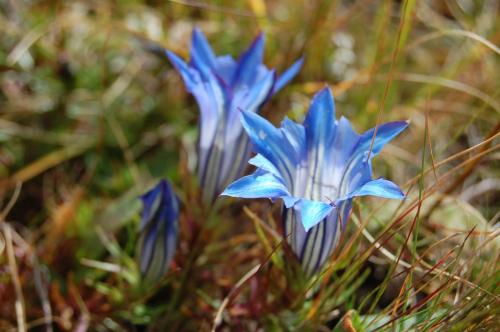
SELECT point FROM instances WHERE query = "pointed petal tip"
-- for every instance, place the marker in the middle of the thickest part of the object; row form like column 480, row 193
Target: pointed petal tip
column 257, row 43
column 197, row 34
column 398, row 194
column 323, row 95
column 228, row 192
column 313, row 212
column 169, row 54
column 174, row 59
column 287, row 75
column 403, row 195
column 325, row 89
column 164, row 183
column 260, row 37
column 319, row 118
column 403, row 124
column 298, row 63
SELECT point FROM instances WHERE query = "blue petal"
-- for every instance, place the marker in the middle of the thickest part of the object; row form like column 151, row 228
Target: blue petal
column 296, row 135
column 356, row 173
column 379, row 187
column 209, row 92
column 320, row 131
column 290, row 201
column 259, row 92
column 320, row 120
column 261, row 162
column 385, row 133
column 345, row 141
column 288, row 75
column 248, row 100
column 338, row 157
column 271, row 143
column 201, row 52
column 257, row 185
column 212, row 101
column 312, row 212
column 249, row 62
column 191, row 77
column 225, row 67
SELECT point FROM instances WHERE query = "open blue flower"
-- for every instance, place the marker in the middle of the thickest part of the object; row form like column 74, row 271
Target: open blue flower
column 222, row 86
column 316, row 169
column 158, row 231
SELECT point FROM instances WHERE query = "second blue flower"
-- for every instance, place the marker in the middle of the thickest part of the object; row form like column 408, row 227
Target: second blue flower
column 222, row 86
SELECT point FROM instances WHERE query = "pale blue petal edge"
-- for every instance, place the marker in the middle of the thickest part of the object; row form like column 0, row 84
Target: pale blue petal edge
column 288, row 75
column 379, row 187
column 257, row 185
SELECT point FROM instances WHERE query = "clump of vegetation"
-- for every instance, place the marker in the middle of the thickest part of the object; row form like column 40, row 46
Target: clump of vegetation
column 93, row 115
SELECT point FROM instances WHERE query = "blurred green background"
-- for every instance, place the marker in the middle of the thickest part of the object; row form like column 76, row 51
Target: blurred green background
column 91, row 112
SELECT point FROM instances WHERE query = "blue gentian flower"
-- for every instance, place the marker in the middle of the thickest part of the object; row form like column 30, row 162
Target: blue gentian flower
column 222, row 86
column 158, row 231
column 316, row 169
